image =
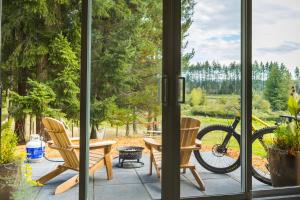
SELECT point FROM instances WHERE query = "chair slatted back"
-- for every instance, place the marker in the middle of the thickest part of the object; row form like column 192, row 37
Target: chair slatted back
column 58, row 134
column 189, row 128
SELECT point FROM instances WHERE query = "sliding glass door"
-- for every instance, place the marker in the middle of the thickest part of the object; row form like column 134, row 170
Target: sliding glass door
column 211, row 68
column 178, row 73
column 125, row 101
column 275, row 83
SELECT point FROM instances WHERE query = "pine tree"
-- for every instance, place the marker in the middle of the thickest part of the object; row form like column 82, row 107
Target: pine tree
column 278, row 86
column 29, row 28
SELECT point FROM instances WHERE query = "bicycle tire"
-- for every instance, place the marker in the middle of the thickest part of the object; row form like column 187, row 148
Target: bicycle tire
column 202, row 162
column 256, row 135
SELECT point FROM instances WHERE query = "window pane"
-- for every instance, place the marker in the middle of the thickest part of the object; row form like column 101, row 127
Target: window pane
column 211, row 66
column 40, row 68
column 125, row 96
column 276, row 62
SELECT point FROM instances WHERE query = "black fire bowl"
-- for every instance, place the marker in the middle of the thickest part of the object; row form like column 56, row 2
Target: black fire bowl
column 130, row 156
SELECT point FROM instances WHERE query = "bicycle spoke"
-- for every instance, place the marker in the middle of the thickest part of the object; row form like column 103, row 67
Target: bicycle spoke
column 261, row 138
column 219, row 156
column 263, row 144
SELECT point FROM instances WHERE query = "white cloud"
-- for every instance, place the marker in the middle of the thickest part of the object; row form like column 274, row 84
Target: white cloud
column 285, row 48
column 215, row 33
column 276, row 31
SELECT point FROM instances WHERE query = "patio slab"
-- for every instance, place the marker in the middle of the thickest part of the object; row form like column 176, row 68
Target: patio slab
column 136, row 184
column 119, row 178
column 123, row 191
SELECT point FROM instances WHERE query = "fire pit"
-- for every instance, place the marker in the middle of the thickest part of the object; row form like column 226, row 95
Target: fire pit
column 131, row 154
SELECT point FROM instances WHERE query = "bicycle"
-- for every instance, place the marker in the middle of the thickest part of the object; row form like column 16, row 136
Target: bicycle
column 224, row 156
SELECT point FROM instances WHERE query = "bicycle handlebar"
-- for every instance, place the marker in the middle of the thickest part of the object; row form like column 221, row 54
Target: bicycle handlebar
column 290, row 118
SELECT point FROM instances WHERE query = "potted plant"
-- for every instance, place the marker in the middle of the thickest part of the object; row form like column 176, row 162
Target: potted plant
column 9, row 161
column 284, row 153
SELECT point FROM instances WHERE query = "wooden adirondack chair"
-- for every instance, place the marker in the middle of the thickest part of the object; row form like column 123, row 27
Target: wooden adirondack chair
column 99, row 155
column 188, row 142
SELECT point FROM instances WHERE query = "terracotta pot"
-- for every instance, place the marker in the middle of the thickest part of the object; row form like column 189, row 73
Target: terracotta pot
column 284, row 168
column 8, row 180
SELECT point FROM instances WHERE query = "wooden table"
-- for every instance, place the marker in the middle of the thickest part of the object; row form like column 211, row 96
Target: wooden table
column 151, row 132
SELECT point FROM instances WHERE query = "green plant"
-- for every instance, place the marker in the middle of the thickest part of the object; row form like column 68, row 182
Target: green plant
column 197, row 97
column 25, row 189
column 287, row 136
column 277, row 86
column 8, row 144
column 259, row 103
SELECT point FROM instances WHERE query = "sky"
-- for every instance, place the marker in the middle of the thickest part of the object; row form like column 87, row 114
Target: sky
column 215, row 32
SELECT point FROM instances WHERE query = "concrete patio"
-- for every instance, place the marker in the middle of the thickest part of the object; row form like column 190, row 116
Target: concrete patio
column 136, row 184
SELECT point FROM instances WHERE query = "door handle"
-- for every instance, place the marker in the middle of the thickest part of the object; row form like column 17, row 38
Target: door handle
column 164, row 97
column 182, row 94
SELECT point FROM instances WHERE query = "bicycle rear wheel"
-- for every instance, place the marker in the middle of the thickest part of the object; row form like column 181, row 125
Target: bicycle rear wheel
column 212, row 155
column 260, row 164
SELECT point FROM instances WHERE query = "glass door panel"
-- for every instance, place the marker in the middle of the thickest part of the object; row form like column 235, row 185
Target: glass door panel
column 40, row 76
column 275, row 78
column 126, row 68
column 211, row 67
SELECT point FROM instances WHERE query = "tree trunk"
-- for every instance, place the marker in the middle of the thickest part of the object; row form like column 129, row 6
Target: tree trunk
column 30, row 125
column 149, row 118
column 134, row 123
column 155, row 127
column 41, row 72
column 93, row 132
column 134, row 127
column 8, row 104
column 72, row 129
column 22, row 90
column 39, row 128
column 117, row 131
column 20, row 129
column 127, row 129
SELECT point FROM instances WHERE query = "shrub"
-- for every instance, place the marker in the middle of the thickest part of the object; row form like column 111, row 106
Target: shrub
column 259, row 103
column 197, row 97
column 186, row 109
column 287, row 136
column 213, row 110
column 225, row 107
column 222, row 100
column 8, row 144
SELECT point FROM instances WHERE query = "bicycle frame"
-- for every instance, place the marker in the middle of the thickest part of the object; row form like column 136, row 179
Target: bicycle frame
column 236, row 122
column 233, row 126
column 260, row 121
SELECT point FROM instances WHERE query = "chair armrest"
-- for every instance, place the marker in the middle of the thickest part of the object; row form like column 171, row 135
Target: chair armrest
column 50, row 142
column 53, row 146
column 190, row 148
column 198, row 143
column 97, row 145
column 75, row 139
column 102, row 144
column 151, row 143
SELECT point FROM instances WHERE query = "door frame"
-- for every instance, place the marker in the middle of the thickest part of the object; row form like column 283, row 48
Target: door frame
column 171, row 108
column 85, row 89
